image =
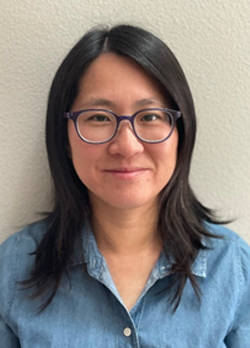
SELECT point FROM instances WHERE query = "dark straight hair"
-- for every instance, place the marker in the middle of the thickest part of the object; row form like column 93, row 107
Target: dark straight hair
column 181, row 216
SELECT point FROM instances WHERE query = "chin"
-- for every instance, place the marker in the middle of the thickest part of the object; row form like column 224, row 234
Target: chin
column 132, row 203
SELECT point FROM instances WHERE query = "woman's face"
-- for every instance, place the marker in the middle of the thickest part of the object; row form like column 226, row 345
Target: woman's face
column 124, row 173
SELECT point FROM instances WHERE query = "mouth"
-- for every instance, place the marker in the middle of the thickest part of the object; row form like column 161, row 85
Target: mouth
column 126, row 172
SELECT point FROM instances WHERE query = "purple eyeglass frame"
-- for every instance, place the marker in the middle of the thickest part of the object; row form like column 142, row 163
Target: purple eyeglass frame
column 174, row 115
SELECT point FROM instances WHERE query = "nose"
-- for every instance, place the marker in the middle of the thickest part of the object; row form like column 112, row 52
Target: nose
column 125, row 142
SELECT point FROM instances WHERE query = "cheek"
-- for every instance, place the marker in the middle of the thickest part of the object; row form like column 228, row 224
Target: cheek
column 166, row 156
column 166, row 152
column 76, row 148
column 82, row 157
column 76, row 145
column 172, row 146
column 85, row 157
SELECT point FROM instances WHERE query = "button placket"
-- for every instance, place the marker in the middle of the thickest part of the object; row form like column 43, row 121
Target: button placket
column 127, row 332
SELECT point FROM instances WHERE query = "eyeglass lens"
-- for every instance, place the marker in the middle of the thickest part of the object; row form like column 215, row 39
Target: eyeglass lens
column 149, row 125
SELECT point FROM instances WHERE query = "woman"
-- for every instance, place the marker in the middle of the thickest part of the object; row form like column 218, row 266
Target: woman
column 128, row 256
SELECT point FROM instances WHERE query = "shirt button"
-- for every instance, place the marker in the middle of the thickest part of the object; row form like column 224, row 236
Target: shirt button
column 127, row 332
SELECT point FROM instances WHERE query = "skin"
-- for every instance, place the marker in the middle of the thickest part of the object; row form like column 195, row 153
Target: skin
column 124, row 176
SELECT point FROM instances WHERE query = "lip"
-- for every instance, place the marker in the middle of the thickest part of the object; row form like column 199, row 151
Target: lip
column 126, row 172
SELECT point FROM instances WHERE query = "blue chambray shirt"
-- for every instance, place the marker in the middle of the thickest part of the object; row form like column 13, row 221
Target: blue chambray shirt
column 88, row 312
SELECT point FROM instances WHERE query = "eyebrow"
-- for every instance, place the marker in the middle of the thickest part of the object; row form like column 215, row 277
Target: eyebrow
column 149, row 101
column 97, row 102
column 101, row 102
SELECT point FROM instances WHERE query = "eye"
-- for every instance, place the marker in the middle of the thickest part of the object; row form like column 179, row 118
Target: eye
column 99, row 118
column 150, row 117
column 94, row 118
column 154, row 118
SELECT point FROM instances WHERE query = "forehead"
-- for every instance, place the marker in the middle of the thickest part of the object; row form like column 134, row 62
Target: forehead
column 108, row 65
column 119, row 79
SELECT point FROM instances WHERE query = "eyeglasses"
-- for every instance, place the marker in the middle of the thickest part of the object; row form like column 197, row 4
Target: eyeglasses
column 98, row 126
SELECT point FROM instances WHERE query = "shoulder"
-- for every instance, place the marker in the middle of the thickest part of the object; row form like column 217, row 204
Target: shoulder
column 24, row 241
column 16, row 259
column 17, row 248
column 229, row 251
column 228, row 238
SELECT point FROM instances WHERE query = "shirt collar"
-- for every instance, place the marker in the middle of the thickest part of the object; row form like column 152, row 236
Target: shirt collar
column 94, row 259
column 199, row 267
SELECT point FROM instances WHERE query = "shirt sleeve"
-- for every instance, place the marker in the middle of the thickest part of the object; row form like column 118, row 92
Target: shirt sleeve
column 239, row 335
column 7, row 256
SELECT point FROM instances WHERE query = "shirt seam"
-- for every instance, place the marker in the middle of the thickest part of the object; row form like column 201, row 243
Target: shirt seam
column 240, row 270
column 141, row 314
column 12, row 284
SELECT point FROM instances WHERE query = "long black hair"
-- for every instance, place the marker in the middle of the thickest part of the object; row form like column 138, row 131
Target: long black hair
column 181, row 216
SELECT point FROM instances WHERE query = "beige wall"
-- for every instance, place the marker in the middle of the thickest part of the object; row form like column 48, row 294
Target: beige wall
column 211, row 40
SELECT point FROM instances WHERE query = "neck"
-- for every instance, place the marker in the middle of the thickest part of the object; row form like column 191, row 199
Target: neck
column 125, row 232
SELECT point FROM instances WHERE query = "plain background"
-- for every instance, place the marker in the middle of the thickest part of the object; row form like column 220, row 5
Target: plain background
column 209, row 37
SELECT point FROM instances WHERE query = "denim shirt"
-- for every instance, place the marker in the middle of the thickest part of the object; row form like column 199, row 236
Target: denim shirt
column 88, row 311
